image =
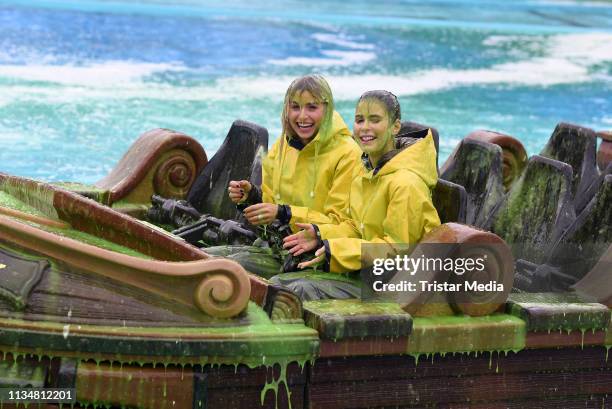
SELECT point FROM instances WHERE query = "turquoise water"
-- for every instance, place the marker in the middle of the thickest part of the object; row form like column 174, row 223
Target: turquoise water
column 80, row 80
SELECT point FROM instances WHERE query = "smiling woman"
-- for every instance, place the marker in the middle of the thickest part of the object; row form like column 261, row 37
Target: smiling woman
column 389, row 202
column 307, row 173
column 305, row 113
column 377, row 122
column 315, row 152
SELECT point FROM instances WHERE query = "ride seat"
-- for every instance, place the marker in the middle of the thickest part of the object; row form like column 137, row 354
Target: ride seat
column 239, row 157
column 576, row 146
column 537, row 209
column 477, row 166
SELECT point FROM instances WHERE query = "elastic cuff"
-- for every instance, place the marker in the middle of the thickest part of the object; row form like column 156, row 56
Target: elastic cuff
column 318, row 233
column 327, row 256
column 254, row 194
column 284, row 214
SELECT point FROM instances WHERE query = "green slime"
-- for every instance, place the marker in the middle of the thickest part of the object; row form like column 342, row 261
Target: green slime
column 270, row 344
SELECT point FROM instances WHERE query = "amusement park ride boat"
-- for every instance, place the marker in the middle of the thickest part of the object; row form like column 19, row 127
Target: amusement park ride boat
column 95, row 297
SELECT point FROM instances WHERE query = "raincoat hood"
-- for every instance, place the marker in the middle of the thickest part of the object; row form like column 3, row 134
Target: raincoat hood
column 389, row 204
column 418, row 158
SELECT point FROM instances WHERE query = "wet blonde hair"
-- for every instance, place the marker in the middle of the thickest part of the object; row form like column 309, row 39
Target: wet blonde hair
column 320, row 90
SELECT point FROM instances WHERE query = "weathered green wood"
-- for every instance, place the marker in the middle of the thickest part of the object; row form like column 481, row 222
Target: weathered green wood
column 75, row 297
column 576, row 146
column 261, row 342
column 536, row 210
column 18, row 276
column 498, row 332
column 102, row 196
column 340, row 319
column 588, row 238
column 457, row 365
column 450, row 200
column 22, row 374
column 558, row 311
column 488, row 380
column 608, row 340
column 477, row 166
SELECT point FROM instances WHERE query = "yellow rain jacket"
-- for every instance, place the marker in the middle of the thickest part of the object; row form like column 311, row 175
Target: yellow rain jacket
column 314, row 180
column 391, row 206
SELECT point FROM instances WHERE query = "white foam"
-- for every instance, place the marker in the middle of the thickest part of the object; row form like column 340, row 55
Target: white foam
column 334, row 58
column 537, row 72
column 584, row 49
column 533, row 43
column 341, row 40
column 569, row 58
column 107, row 73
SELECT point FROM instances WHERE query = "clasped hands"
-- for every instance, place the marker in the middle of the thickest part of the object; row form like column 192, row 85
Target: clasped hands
column 257, row 214
column 265, row 213
column 303, row 241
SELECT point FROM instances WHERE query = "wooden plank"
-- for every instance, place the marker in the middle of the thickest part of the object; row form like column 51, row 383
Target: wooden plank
column 340, row 319
column 90, row 191
column 232, row 398
column 22, row 373
column 367, row 346
column 463, row 334
column 248, row 384
column 558, row 311
column 561, row 339
column 79, row 297
column 142, row 387
column 569, row 402
column 243, row 376
column 475, row 389
column 373, row 368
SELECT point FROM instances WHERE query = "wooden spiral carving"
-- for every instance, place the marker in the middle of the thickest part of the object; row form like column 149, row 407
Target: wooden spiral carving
column 498, row 269
column 175, row 174
column 514, row 154
column 160, row 161
column 225, row 292
column 287, row 307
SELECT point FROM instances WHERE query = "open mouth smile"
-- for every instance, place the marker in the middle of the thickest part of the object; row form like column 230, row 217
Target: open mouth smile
column 367, row 138
column 304, row 126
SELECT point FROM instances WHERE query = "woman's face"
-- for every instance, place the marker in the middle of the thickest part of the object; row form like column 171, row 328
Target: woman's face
column 372, row 130
column 305, row 114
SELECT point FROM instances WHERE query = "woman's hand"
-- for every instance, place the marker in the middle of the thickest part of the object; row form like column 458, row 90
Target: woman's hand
column 318, row 259
column 302, row 241
column 261, row 213
column 238, row 191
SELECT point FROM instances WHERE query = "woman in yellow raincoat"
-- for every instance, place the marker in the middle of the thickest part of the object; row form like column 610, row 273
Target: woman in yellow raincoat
column 390, row 201
column 306, row 175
